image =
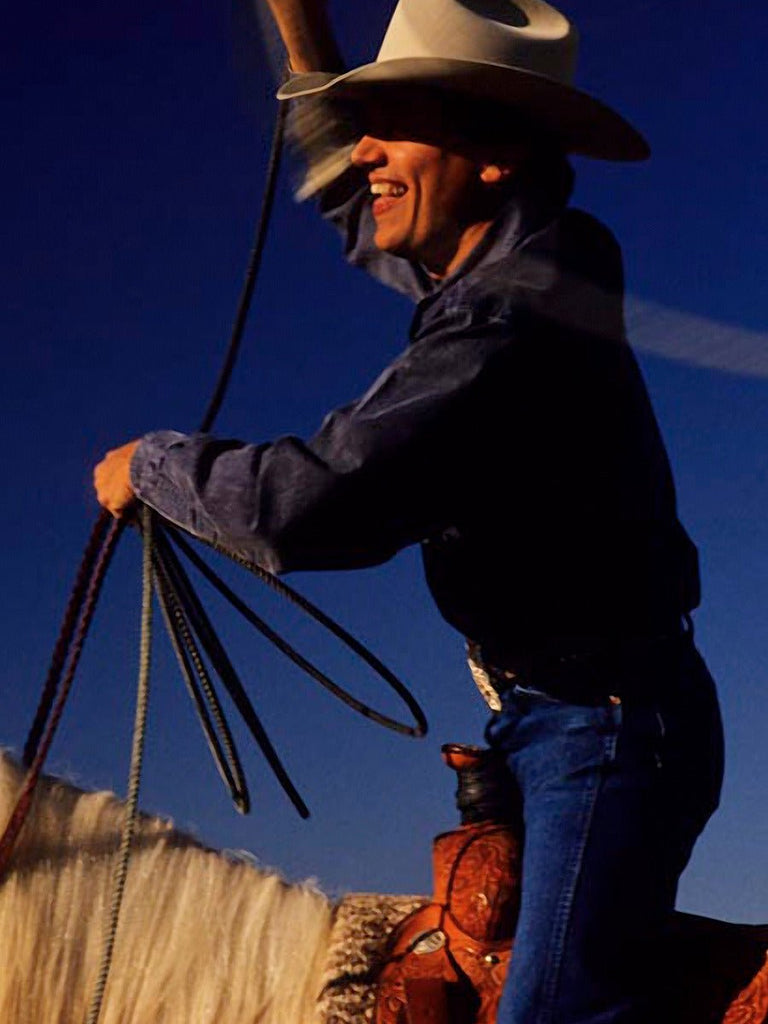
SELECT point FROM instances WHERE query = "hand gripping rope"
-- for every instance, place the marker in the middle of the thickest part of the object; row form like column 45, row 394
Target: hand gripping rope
column 191, row 633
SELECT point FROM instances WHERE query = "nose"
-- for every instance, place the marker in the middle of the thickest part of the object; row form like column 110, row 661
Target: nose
column 369, row 151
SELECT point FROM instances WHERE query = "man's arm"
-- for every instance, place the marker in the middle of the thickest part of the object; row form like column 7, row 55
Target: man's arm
column 380, row 474
column 307, row 35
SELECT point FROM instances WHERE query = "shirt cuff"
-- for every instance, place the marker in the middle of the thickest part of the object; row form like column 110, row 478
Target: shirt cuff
column 163, row 477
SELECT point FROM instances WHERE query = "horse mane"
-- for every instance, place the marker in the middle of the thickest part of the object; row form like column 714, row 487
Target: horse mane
column 203, row 939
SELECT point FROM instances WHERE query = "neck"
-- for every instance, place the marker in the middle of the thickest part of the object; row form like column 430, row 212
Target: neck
column 442, row 266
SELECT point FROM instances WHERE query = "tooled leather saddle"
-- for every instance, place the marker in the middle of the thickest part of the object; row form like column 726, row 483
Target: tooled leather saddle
column 446, row 962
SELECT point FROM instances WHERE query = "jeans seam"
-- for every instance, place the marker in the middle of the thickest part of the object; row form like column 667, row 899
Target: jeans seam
column 565, row 905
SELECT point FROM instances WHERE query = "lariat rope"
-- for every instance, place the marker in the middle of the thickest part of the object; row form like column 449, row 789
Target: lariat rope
column 191, row 634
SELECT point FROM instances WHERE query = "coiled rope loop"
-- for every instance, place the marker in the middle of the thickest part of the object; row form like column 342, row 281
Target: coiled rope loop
column 191, row 634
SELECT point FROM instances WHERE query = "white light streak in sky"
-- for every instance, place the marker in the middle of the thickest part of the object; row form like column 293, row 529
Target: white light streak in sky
column 696, row 340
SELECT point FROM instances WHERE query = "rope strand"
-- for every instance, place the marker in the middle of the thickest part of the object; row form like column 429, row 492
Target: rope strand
column 204, row 697
column 298, row 659
column 134, row 775
column 52, row 705
column 251, row 274
column 68, row 625
column 201, row 624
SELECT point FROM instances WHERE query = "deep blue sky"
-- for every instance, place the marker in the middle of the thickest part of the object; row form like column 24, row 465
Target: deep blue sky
column 133, row 156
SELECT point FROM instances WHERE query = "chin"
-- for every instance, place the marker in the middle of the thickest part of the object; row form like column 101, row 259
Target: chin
column 394, row 246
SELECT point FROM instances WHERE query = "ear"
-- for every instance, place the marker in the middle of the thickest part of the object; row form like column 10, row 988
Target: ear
column 494, row 174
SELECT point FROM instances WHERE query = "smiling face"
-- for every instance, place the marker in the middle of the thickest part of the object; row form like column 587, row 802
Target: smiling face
column 434, row 196
column 426, row 200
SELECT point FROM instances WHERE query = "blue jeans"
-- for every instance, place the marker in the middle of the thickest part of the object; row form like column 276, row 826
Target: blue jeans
column 614, row 797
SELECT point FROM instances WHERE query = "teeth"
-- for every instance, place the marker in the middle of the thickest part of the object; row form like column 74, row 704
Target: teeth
column 385, row 188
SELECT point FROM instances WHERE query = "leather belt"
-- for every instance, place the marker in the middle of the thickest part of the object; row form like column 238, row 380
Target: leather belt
column 592, row 676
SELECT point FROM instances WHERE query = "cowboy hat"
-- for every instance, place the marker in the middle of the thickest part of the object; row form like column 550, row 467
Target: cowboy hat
column 519, row 54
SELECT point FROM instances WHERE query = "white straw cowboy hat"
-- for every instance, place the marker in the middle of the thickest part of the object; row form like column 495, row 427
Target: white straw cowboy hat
column 518, row 53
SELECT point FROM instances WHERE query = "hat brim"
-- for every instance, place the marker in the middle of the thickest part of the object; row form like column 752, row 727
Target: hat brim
column 582, row 124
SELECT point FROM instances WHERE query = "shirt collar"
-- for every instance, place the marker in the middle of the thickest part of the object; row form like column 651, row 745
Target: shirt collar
column 541, row 194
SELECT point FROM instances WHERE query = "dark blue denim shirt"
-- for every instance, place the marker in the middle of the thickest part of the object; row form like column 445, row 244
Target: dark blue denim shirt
column 512, row 438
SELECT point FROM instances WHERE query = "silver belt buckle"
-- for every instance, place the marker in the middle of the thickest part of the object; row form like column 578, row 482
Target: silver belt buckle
column 485, row 678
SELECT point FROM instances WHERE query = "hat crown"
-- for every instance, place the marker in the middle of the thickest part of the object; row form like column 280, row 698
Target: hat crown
column 525, row 34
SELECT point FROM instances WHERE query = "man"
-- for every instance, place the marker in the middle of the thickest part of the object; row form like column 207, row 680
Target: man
column 514, row 440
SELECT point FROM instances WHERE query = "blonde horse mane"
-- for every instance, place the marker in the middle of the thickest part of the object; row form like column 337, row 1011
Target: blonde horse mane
column 203, row 939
